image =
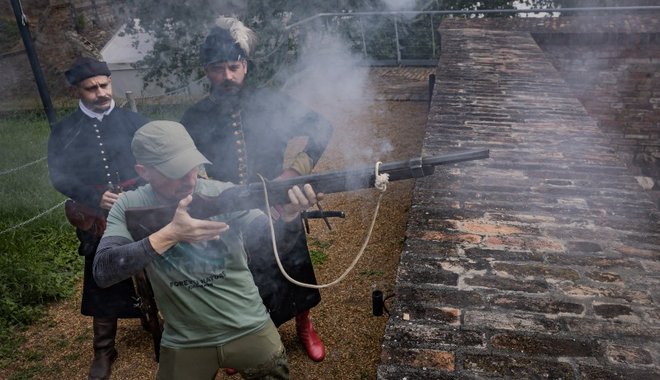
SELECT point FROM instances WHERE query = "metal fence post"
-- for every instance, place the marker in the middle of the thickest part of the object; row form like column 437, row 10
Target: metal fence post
column 431, row 87
column 396, row 35
column 131, row 101
column 364, row 41
column 432, row 37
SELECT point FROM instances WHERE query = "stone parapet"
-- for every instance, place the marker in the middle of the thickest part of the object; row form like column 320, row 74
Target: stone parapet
column 539, row 262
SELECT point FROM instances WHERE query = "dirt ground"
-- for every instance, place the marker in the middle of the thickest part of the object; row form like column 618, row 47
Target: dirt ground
column 60, row 346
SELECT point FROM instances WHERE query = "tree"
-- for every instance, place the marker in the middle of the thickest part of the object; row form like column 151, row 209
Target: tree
column 178, row 28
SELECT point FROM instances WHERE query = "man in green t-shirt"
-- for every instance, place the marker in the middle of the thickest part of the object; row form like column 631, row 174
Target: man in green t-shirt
column 214, row 316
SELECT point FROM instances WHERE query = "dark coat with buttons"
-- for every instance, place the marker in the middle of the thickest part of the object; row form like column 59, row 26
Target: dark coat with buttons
column 85, row 157
column 257, row 128
column 248, row 136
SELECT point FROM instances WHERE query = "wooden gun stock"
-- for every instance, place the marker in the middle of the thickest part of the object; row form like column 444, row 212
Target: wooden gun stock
column 144, row 221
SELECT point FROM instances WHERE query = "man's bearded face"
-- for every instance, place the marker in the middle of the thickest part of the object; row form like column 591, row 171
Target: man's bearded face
column 226, row 77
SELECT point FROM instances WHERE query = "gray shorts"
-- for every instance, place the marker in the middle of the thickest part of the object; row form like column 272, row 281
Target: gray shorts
column 260, row 355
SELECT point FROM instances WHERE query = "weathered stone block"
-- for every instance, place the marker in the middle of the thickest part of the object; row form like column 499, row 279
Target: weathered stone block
column 604, row 276
column 517, row 367
column 421, row 358
column 503, row 283
column 533, row 270
column 616, row 373
column 538, row 305
column 621, row 354
column 438, row 296
column 432, row 336
column 509, row 321
column 539, row 344
column 611, row 310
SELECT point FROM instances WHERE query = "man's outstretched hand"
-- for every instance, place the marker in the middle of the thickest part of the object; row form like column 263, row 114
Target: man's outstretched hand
column 185, row 228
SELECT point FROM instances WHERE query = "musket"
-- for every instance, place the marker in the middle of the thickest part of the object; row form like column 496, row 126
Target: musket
column 144, row 221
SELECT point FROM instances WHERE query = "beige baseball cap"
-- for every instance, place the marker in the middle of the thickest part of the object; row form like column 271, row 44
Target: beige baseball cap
column 166, row 146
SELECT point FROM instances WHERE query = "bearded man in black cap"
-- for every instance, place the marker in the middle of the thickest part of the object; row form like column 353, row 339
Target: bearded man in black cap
column 244, row 132
column 90, row 161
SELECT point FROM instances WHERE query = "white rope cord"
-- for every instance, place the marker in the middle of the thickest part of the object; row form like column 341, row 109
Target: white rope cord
column 380, row 183
column 7, row 171
column 32, row 219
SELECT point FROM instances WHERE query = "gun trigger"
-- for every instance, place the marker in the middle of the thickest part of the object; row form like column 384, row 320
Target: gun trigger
column 415, row 166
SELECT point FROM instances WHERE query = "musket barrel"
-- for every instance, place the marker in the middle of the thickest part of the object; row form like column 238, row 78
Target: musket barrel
column 361, row 178
column 424, row 166
column 456, row 157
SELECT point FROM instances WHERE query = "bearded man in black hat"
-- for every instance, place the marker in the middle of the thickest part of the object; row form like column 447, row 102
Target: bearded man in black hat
column 244, row 132
column 90, row 161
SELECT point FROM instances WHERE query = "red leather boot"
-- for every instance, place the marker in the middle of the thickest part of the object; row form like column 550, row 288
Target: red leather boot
column 309, row 337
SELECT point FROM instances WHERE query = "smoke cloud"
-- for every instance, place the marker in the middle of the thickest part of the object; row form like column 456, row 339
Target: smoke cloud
column 399, row 5
column 335, row 81
column 330, row 75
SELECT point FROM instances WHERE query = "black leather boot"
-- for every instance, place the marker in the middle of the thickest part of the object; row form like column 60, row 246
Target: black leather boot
column 105, row 353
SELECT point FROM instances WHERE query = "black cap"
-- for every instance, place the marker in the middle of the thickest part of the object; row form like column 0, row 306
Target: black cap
column 220, row 46
column 85, row 67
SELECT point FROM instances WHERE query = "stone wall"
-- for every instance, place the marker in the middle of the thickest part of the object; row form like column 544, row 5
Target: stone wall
column 14, row 69
column 617, row 79
column 540, row 262
column 612, row 63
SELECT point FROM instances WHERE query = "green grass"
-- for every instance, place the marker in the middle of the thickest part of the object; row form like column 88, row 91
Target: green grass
column 318, row 257
column 372, row 273
column 39, row 262
column 317, row 250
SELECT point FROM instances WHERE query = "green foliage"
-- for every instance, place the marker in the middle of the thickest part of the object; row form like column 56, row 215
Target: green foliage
column 372, row 272
column 317, row 250
column 39, row 262
column 318, row 257
column 179, row 27
column 318, row 243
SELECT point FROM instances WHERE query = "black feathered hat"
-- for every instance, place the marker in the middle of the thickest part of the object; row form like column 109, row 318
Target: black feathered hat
column 85, row 67
column 228, row 40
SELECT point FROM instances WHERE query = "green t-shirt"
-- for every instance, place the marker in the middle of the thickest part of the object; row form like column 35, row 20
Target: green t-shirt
column 205, row 291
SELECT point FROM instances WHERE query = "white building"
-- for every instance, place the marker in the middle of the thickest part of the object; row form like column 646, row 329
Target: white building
column 122, row 55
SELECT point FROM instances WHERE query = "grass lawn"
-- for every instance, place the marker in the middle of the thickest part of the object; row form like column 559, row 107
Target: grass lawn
column 38, row 250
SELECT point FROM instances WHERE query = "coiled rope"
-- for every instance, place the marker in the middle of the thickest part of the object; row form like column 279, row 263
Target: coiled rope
column 380, row 183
